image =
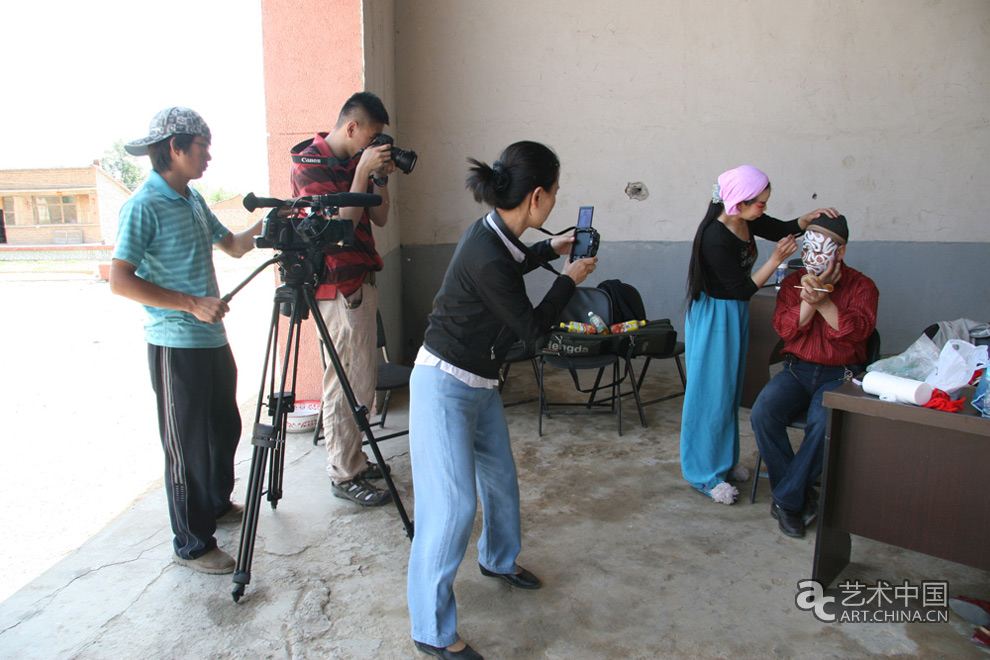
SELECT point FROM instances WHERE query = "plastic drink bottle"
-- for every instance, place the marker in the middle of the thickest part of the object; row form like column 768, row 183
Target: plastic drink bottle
column 580, row 328
column 598, row 323
column 780, row 275
column 626, row 326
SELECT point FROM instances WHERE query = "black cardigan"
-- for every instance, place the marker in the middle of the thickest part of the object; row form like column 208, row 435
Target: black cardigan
column 728, row 261
column 482, row 306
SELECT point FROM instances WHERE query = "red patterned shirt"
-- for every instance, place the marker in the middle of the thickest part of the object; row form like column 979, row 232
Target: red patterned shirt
column 346, row 266
column 856, row 297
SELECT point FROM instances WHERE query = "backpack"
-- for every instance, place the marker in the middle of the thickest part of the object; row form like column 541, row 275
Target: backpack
column 627, row 304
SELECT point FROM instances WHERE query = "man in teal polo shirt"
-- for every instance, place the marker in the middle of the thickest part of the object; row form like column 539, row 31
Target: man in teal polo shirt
column 163, row 259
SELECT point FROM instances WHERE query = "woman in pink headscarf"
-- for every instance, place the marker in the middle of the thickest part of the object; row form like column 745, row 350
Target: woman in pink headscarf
column 720, row 283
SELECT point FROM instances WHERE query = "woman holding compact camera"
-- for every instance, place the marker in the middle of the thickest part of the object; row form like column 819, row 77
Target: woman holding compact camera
column 720, row 283
column 458, row 436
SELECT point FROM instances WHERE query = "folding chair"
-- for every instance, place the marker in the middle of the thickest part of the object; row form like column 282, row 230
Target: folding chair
column 519, row 352
column 584, row 300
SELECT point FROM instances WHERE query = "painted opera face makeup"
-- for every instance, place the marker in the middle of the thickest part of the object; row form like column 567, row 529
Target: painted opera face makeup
column 817, row 252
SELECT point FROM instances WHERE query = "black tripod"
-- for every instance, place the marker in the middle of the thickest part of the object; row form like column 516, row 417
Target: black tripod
column 299, row 271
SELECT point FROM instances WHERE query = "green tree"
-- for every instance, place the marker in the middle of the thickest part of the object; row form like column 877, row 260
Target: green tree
column 123, row 166
column 211, row 194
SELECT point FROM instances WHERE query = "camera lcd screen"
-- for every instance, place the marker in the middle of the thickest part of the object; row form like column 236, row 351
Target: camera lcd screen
column 584, row 216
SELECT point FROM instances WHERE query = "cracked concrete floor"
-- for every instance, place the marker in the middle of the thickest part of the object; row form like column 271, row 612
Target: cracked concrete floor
column 635, row 565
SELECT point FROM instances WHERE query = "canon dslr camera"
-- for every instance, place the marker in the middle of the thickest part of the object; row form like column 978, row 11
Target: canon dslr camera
column 403, row 159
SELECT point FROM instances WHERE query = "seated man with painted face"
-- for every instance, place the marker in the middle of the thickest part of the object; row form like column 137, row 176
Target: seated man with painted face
column 825, row 313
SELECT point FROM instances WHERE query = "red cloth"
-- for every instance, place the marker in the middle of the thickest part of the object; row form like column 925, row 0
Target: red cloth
column 941, row 401
column 346, row 266
column 856, row 297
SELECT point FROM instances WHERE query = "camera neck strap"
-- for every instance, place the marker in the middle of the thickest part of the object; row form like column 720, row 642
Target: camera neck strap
column 532, row 255
column 300, row 158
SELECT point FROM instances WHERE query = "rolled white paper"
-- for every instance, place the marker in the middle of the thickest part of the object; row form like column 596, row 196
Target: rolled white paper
column 895, row 388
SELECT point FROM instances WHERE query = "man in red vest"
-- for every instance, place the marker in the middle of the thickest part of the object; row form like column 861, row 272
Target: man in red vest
column 342, row 161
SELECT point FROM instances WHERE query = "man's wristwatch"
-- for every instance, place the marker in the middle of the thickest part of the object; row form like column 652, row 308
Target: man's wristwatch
column 380, row 182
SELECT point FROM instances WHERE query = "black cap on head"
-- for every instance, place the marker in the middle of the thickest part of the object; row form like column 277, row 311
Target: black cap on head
column 835, row 228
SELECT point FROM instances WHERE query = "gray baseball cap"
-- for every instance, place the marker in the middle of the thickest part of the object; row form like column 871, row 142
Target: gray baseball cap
column 165, row 124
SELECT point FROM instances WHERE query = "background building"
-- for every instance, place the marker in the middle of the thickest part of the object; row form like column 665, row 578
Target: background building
column 60, row 206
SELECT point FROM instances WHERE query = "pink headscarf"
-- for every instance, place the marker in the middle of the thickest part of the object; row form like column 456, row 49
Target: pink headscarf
column 741, row 184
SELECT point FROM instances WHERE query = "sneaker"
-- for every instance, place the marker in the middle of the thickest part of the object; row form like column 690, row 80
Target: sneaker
column 214, row 562
column 373, row 471
column 360, row 492
column 234, row 515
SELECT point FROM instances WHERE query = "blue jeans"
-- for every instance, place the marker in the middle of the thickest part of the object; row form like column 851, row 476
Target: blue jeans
column 799, row 387
column 458, row 442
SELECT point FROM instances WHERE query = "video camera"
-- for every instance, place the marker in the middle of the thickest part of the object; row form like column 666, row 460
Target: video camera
column 303, row 223
column 403, row 159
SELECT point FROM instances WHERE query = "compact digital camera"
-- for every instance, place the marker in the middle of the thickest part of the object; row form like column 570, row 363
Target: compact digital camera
column 586, row 237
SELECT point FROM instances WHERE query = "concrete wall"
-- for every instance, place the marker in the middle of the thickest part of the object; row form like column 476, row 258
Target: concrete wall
column 317, row 54
column 881, row 109
column 379, row 77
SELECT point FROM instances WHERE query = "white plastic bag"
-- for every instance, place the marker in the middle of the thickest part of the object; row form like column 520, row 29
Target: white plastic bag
column 917, row 362
column 956, row 364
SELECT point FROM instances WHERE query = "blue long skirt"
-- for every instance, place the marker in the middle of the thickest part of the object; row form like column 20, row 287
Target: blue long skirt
column 716, row 338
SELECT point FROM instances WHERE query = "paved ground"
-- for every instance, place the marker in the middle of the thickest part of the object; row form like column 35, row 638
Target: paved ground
column 80, row 439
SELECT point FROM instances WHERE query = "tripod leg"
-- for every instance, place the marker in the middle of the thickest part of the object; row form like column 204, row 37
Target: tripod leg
column 264, row 438
column 359, row 412
column 286, row 394
column 249, row 525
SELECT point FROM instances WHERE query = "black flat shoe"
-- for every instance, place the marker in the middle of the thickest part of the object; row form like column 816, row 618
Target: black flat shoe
column 790, row 522
column 523, row 579
column 466, row 653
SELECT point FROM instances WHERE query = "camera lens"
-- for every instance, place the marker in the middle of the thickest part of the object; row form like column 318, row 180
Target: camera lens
column 404, row 160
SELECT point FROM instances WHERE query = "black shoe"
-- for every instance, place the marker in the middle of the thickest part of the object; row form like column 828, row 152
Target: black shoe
column 360, row 492
column 523, row 579
column 373, row 471
column 790, row 522
column 466, row 653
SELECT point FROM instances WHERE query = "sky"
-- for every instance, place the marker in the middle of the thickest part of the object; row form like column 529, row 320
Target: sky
column 78, row 76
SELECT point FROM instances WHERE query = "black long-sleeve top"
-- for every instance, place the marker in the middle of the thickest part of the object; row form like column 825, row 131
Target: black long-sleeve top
column 482, row 306
column 727, row 260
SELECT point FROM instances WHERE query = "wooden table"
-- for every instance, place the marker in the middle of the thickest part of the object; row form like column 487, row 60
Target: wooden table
column 900, row 474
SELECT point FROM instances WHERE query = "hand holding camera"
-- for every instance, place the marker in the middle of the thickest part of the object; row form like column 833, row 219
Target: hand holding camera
column 378, row 160
column 578, row 270
column 403, row 159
